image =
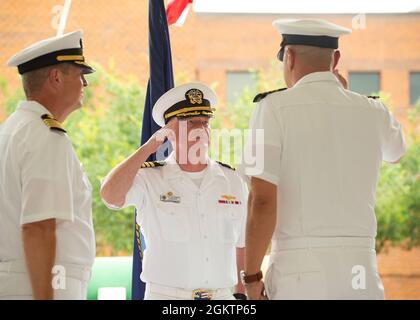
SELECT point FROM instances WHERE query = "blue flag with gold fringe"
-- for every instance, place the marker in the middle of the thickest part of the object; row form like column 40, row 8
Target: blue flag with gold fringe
column 161, row 80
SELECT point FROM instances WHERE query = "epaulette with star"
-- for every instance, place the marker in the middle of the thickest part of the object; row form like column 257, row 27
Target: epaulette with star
column 262, row 95
column 225, row 165
column 153, row 164
column 52, row 123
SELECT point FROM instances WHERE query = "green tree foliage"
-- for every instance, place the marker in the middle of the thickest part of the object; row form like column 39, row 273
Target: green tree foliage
column 398, row 194
column 104, row 132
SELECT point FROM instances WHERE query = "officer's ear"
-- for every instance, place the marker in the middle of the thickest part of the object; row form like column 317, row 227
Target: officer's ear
column 336, row 58
column 290, row 57
column 55, row 78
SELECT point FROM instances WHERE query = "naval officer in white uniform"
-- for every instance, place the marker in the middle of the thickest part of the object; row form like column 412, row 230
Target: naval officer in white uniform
column 191, row 209
column 47, row 244
column 315, row 195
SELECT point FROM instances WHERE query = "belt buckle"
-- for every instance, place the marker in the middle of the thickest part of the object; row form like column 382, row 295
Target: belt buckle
column 202, row 294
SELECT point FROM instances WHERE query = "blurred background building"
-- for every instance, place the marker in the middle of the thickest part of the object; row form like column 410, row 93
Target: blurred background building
column 221, row 46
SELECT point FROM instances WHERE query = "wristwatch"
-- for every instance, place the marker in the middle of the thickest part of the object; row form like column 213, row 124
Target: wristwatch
column 246, row 279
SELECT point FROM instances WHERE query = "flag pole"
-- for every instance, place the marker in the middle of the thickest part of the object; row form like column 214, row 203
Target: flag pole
column 63, row 18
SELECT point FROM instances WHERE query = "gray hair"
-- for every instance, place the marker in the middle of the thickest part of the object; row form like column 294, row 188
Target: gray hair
column 320, row 57
column 33, row 81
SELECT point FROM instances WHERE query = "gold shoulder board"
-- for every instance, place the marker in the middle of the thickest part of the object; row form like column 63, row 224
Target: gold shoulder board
column 152, row 164
column 52, row 123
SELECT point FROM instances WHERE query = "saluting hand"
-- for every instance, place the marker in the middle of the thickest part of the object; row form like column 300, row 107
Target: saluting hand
column 158, row 138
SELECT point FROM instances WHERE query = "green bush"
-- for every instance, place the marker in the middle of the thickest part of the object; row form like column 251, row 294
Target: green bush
column 107, row 129
column 104, row 132
column 398, row 195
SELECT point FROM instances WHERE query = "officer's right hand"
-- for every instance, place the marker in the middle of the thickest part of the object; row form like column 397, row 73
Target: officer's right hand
column 255, row 291
column 159, row 137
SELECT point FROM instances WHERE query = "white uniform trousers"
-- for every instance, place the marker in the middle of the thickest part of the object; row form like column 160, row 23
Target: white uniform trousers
column 15, row 283
column 323, row 268
column 159, row 292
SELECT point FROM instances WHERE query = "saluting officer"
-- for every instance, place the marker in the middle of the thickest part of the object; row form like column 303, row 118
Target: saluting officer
column 191, row 209
column 47, row 244
column 314, row 198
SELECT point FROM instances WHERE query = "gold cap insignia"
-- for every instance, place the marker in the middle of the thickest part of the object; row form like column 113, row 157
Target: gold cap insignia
column 195, row 96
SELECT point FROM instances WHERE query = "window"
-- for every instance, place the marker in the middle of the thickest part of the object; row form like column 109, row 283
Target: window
column 237, row 82
column 414, row 87
column 364, row 82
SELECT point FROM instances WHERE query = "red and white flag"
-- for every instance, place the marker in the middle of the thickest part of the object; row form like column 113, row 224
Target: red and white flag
column 177, row 11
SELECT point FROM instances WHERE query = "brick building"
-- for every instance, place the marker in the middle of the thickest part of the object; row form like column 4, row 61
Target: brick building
column 221, row 48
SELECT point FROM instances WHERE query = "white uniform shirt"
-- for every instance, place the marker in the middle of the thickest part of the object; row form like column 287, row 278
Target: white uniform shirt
column 323, row 148
column 41, row 178
column 192, row 243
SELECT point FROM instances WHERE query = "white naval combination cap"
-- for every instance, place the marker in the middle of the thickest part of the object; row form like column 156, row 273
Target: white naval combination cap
column 185, row 101
column 309, row 32
column 67, row 48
